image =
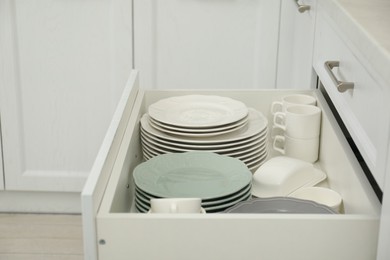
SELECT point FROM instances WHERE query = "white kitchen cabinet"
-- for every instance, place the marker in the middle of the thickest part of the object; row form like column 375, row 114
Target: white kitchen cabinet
column 206, row 44
column 384, row 232
column 1, row 164
column 63, row 68
column 296, row 42
column 113, row 229
column 364, row 109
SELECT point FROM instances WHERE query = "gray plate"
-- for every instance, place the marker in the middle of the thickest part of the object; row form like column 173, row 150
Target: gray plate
column 284, row 205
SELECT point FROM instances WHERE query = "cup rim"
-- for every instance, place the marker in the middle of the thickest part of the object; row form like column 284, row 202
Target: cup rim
column 306, row 96
column 311, row 110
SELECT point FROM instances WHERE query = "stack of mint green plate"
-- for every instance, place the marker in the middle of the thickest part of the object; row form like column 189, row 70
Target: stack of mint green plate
column 220, row 181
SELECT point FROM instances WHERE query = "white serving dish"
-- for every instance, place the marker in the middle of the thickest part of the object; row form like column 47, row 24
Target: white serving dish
column 113, row 231
column 282, row 175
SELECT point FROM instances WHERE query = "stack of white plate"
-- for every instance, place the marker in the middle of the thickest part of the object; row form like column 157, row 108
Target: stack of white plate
column 205, row 123
column 220, row 181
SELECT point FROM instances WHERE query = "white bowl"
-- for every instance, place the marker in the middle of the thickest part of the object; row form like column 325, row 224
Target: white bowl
column 320, row 195
column 283, row 175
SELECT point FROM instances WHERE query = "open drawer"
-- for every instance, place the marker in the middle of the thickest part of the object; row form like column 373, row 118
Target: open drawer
column 112, row 231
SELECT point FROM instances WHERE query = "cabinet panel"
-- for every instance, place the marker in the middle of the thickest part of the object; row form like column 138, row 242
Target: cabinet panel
column 1, row 163
column 364, row 109
column 206, row 44
column 384, row 231
column 64, row 65
column 296, row 45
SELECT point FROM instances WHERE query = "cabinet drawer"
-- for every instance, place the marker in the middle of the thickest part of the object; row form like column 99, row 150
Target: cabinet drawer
column 363, row 109
column 113, row 231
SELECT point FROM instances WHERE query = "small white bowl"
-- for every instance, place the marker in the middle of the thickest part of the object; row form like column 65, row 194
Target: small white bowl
column 320, row 195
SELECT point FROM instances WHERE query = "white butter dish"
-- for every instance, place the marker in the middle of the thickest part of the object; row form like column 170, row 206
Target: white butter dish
column 282, row 175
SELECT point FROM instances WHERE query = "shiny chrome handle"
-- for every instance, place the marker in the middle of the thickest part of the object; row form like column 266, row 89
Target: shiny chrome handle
column 340, row 85
column 302, row 8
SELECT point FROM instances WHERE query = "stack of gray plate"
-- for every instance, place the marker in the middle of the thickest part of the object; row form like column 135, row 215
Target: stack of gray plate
column 220, row 181
column 205, row 123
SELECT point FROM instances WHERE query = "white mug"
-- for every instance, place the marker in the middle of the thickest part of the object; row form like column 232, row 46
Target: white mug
column 303, row 149
column 289, row 100
column 299, row 121
column 176, row 205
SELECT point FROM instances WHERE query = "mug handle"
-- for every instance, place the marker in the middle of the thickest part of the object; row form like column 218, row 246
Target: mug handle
column 273, row 134
column 280, row 120
column 279, row 139
column 276, row 106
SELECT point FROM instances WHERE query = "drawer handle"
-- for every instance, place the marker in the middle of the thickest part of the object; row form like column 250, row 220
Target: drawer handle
column 302, row 8
column 340, row 85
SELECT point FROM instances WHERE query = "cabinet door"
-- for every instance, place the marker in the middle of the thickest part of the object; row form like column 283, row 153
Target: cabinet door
column 1, row 163
column 206, row 44
column 63, row 68
column 384, row 231
column 296, row 44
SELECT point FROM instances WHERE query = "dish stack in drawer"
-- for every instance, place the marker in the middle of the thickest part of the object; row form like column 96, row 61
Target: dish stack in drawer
column 205, row 123
column 219, row 181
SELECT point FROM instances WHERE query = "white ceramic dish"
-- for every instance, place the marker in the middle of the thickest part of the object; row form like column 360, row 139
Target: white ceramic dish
column 195, row 134
column 257, row 123
column 282, row 175
column 180, row 130
column 232, row 150
column 198, row 111
column 219, row 146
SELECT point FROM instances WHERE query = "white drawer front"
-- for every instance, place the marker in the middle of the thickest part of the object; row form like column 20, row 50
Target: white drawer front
column 364, row 109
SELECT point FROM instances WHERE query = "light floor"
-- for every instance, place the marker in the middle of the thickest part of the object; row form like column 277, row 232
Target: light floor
column 40, row 236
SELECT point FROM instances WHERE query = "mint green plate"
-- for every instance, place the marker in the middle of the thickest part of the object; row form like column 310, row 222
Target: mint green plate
column 202, row 175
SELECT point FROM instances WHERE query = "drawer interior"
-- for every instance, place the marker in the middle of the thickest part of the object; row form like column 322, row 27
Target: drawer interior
column 336, row 159
column 122, row 233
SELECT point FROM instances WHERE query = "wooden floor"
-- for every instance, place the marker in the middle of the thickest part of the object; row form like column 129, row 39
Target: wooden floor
column 40, row 236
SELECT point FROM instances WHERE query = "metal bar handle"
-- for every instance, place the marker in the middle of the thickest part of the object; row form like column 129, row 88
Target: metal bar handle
column 341, row 86
column 302, row 8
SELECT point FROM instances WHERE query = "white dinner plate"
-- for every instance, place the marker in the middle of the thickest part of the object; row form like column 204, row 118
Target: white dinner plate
column 165, row 148
column 198, row 111
column 257, row 123
column 245, row 155
column 184, row 131
column 207, row 147
column 195, row 134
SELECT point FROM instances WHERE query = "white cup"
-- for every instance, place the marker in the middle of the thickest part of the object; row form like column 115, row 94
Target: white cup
column 299, row 121
column 289, row 100
column 303, row 149
column 176, row 205
column 320, row 195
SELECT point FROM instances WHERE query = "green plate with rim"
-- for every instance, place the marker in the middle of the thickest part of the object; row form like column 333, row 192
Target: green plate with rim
column 202, row 175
